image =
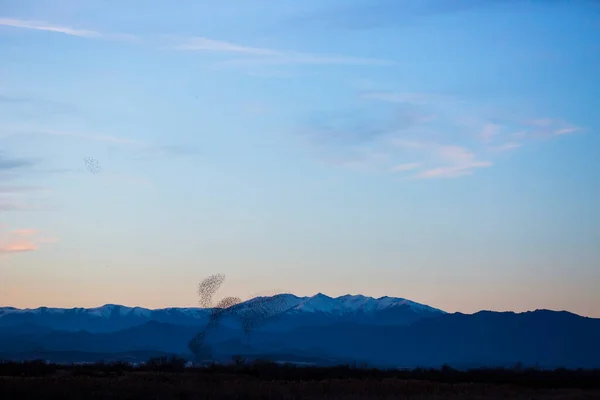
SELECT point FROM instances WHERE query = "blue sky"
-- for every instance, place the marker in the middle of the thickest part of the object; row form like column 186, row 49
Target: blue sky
column 445, row 152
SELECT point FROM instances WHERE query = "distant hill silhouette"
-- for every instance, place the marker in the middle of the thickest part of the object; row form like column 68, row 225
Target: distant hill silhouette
column 548, row 339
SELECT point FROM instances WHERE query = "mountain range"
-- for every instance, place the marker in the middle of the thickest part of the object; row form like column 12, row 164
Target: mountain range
column 288, row 307
column 387, row 331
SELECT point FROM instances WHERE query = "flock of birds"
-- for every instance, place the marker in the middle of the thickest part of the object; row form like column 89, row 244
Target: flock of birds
column 250, row 317
column 92, row 165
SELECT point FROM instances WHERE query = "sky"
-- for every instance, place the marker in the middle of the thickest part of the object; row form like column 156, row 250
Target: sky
column 441, row 151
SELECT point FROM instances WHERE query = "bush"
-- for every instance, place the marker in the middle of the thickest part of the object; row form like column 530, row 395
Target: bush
column 170, row 364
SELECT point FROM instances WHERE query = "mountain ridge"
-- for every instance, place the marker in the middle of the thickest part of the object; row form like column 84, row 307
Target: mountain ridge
column 300, row 299
column 280, row 311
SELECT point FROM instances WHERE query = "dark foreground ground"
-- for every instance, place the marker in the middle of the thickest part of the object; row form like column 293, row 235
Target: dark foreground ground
column 188, row 386
column 242, row 382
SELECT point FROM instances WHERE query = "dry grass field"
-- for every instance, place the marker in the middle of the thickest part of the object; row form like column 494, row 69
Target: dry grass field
column 274, row 382
column 142, row 385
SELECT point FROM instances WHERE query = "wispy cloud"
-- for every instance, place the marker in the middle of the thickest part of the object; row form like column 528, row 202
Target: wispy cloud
column 451, row 171
column 17, row 247
column 426, row 136
column 88, row 136
column 16, row 189
column 406, row 167
column 419, row 98
column 9, row 163
column 544, row 127
column 219, row 46
column 342, row 128
column 360, row 161
column 135, row 144
column 39, row 105
column 453, row 161
column 257, row 108
column 461, row 114
column 291, row 58
column 66, row 30
column 129, row 180
column 13, row 99
column 22, row 241
column 490, row 131
column 262, row 55
column 26, row 232
column 14, row 206
column 13, row 167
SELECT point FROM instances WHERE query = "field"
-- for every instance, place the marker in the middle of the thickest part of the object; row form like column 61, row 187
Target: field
column 281, row 382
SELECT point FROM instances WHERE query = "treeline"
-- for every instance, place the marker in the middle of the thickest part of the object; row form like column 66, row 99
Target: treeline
column 268, row 370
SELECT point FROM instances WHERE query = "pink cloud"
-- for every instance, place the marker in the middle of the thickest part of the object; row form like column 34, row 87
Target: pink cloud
column 17, row 247
column 456, row 154
column 22, row 241
column 25, row 232
column 455, row 160
column 465, row 136
column 444, row 172
column 453, row 171
column 565, row 131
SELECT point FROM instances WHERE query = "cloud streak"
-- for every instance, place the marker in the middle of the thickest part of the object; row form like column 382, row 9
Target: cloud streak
column 545, row 127
column 13, row 206
column 88, row 136
column 429, row 136
column 16, row 189
column 17, row 247
column 218, row 46
column 66, row 30
column 26, row 232
column 406, row 167
column 454, row 161
column 270, row 56
column 417, row 98
column 153, row 148
column 9, row 163
column 207, row 45
column 22, row 241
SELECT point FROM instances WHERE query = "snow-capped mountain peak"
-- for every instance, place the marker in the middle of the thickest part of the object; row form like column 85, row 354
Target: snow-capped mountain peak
column 111, row 310
column 112, row 317
column 318, row 303
column 349, row 304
